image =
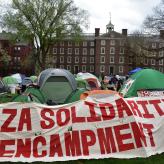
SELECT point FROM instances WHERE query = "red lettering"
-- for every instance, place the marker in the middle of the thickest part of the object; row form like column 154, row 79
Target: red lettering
column 88, row 138
column 3, row 145
column 146, row 114
column 39, row 140
column 93, row 117
column 55, row 146
column 23, row 148
column 139, row 136
column 72, row 143
column 149, row 128
column 156, row 103
column 59, row 117
column 25, row 119
column 106, row 141
column 122, row 107
column 76, row 119
column 47, row 122
column 121, row 137
column 134, row 108
column 105, row 115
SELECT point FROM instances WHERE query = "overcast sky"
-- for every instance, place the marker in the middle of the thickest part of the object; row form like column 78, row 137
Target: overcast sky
column 125, row 13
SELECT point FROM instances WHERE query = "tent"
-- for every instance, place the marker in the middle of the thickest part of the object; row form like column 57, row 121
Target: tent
column 9, row 80
column 18, row 77
column 33, row 78
column 143, row 80
column 92, row 80
column 134, row 70
column 56, row 85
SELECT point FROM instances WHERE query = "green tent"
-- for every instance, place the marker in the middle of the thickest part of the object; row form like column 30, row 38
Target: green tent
column 8, row 80
column 145, row 79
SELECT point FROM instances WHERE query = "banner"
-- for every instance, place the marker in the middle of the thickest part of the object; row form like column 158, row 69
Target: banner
column 101, row 126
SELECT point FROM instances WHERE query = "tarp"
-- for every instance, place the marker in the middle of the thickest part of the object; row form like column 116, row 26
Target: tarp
column 97, row 127
column 134, row 70
column 144, row 79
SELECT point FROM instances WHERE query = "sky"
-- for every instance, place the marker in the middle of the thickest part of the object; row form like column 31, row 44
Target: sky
column 128, row 14
column 125, row 14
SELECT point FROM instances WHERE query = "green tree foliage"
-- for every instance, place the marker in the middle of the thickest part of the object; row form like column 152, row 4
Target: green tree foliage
column 45, row 20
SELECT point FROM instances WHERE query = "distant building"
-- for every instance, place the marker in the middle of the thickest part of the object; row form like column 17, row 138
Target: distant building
column 97, row 53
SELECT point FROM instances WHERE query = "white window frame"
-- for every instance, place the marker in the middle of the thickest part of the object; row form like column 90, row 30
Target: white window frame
column 102, row 59
column 69, row 67
column 102, row 50
column 92, row 51
column 154, row 45
column 121, row 69
column 111, row 58
column 76, row 59
column 91, row 68
column 112, row 42
column 84, row 51
column 161, row 62
column 103, row 42
column 122, row 50
column 92, row 44
column 69, row 43
column 84, row 68
column 61, row 50
column 61, row 59
column 76, row 51
column 112, row 50
column 152, row 61
column 121, row 59
column 84, row 59
column 69, row 50
column 102, row 68
column 84, row 43
column 69, row 59
column 92, row 60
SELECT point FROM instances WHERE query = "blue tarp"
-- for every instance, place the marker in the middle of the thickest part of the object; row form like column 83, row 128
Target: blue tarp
column 134, row 70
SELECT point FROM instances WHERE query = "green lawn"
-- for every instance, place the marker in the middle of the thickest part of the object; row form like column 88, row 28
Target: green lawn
column 157, row 159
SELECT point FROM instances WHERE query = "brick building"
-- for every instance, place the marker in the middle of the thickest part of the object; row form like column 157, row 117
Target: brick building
column 98, row 53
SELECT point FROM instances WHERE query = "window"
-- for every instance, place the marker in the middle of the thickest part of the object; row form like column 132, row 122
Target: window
column 92, row 51
column 69, row 43
column 84, row 68
column 122, row 42
column 146, row 61
column 152, row 62
column 61, row 50
column 121, row 59
column 92, row 44
column 161, row 45
column 68, row 67
column 102, row 50
column 84, row 44
column 84, row 59
column 112, row 50
column 76, row 43
column 103, row 43
column 61, row 59
column 69, row 59
column 55, row 59
column 91, row 68
column 102, row 59
column 161, row 53
column 19, row 48
column 19, row 59
column 91, row 59
column 111, row 59
column 84, row 51
column 102, row 68
column 112, row 42
column 121, row 50
column 76, row 51
column 76, row 59
column 153, row 45
column 69, row 50
column 121, row 69
column 161, row 62
column 61, row 43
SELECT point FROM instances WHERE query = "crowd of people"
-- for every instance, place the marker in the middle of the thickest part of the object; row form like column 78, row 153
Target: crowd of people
column 114, row 82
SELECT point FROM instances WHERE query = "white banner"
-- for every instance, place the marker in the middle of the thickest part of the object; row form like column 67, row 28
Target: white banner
column 102, row 126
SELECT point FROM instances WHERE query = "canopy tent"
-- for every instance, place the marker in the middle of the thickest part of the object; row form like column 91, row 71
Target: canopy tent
column 18, row 77
column 56, row 85
column 134, row 70
column 92, row 80
column 143, row 79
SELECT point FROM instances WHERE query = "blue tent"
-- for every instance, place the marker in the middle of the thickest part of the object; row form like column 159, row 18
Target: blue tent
column 134, row 70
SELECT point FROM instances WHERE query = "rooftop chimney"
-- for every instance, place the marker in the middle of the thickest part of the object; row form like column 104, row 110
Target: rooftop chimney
column 124, row 32
column 97, row 32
